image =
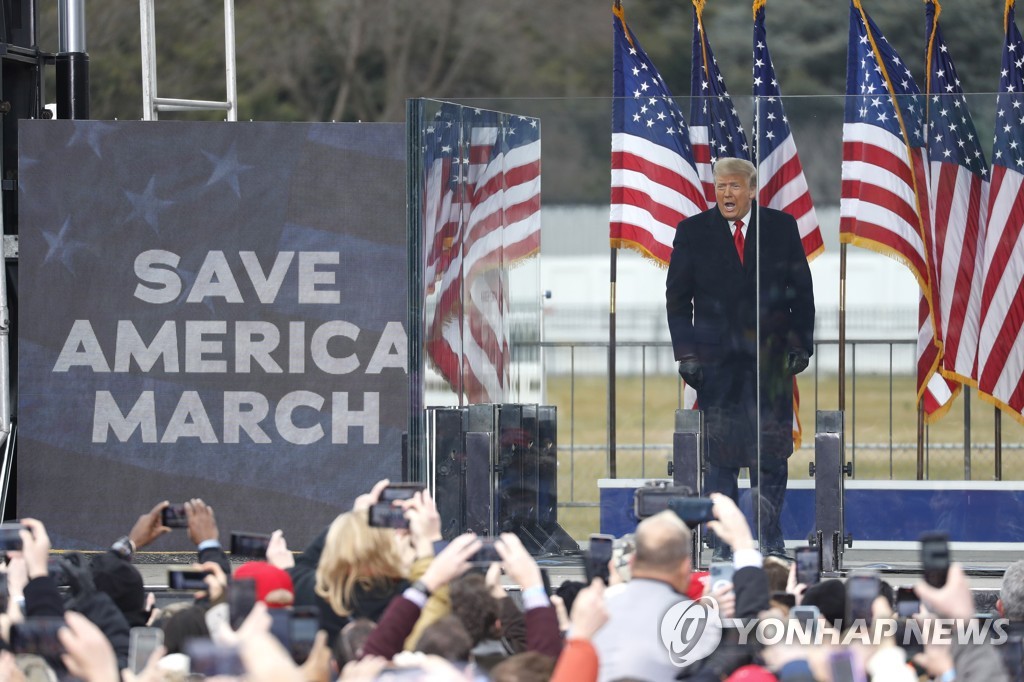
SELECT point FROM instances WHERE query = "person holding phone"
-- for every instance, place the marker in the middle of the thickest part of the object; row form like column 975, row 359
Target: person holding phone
column 738, row 271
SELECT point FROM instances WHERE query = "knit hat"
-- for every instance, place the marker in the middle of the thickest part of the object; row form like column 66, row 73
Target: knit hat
column 269, row 579
column 830, row 598
column 123, row 582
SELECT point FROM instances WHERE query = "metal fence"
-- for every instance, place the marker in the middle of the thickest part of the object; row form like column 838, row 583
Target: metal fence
column 881, row 417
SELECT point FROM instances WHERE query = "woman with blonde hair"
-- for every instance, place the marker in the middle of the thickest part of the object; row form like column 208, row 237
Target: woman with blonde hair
column 352, row 570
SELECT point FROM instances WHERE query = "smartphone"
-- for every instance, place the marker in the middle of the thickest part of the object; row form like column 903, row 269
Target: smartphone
column 861, row 592
column 935, row 558
column 692, row 510
column 303, row 624
column 787, row 599
column 142, row 642
column 487, row 554
column 1012, row 652
column 597, row 556
column 547, row 581
column 10, row 536
column 807, row 617
column 209, row 659
column 241, row 599
column 720, row 573
column 907, row 603
column 400, row 491
column 808, row 570
column 37, row 636
column 5, row 594
column 252, row 545
column 384, row 515
column 186, row 580
column 173, row 516
column 845, row 667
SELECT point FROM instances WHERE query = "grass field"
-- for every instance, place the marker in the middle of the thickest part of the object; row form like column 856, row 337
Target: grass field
column 646, row 412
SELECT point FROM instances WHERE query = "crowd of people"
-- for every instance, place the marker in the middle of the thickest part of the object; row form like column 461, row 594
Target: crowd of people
column 405, row 605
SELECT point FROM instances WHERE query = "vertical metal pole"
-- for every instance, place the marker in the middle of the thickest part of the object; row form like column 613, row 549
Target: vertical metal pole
column 612, row 468
column 72, row 62
column 999, row 443
column 229, row 59
column 920, row 441
column 967, row 433
column 147, row 20
column 842, row 327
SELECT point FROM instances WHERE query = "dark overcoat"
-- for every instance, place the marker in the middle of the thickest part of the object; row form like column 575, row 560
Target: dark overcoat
column 712, row 305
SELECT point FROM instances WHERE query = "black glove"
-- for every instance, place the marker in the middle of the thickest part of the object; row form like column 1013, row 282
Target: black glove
column 691, row 372
column 797, row 360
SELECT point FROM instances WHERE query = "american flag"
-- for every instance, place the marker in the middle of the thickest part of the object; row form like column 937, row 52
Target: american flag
column 883, row 205
column 654, row 182
column 1000, row 346
column 715, row 128
column 957, row 196
column 782, row 184
column 780, row 174
column 482, row 215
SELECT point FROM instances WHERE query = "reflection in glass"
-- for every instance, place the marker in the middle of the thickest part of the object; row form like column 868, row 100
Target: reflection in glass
column 481, row 218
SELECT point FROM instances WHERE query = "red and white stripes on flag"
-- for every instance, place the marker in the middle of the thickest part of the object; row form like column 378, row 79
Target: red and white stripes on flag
column 1000, row 371
column 493, row 222
column 884, row 204
column 654, row 183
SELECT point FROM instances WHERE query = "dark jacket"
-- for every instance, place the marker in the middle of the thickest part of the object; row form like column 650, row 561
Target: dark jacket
column 713, row 308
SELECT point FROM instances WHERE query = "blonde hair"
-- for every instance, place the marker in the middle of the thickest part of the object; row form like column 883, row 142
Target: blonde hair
column 728, row 165
column 354, row 555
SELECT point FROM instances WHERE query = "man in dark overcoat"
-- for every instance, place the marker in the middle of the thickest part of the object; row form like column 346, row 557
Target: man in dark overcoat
column 714, row 304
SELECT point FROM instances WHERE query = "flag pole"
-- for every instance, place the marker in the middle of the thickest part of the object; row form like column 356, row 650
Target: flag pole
column 842, row 327
column 611, row 460
column 612, row 468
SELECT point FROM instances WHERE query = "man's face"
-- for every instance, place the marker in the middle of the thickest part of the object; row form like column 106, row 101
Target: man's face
column 734, row 196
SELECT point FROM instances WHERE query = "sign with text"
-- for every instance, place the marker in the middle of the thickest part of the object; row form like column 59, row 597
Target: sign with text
column 211, row 310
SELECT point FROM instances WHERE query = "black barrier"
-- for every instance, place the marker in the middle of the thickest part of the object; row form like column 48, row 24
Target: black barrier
column 504, row 478
column 829, row 473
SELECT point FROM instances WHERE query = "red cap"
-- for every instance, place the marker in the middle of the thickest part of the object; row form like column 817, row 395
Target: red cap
column 268, row 579
column 751, row 673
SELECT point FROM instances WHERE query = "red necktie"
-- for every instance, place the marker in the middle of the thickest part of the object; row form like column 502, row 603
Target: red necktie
column 738, row 238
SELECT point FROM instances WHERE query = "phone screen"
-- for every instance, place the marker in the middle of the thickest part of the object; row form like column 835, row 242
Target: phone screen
column 844, row 667
column 210, row 659
column 384, row 515
column 693, row 510
column 487, row 554
column 807, row 571
column 861, row 592
column 721, row 573
column 597, row 556
column 907, row 603
column 5, row 593
column 37, row 636
column 241, row 599
column 187, row 580
column 249, row 544
column 141, row 645
column 173, row 516
column 935, row 558
column 400, row 491
column 10, row 536
column 807, row 617
column 302, row 629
